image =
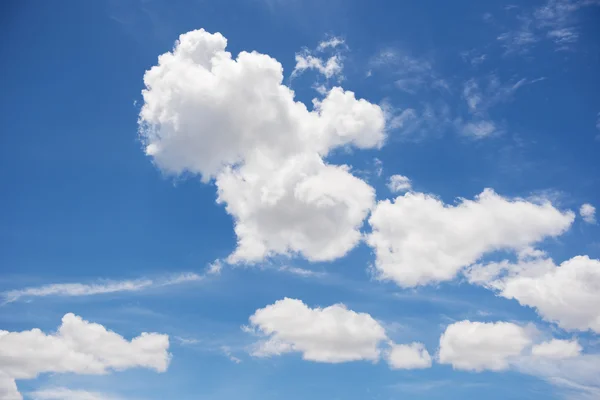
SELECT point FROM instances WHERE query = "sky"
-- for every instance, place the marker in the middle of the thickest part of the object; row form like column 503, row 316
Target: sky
column 266, row 199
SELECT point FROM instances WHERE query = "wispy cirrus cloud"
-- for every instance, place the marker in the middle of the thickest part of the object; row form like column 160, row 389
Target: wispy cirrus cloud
column 412, row 74
column 555, row 20
column 480, row 95
column 63, row 393
column 98, row 288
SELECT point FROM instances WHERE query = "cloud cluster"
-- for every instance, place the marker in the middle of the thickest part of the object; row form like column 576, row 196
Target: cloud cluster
column 557, row 349
column 418, row 240
column 555, row 20
column 79, row 347
column 332, row 334
column 233, row 120
column 568, row 294
column 498, row 346
column 330, row 67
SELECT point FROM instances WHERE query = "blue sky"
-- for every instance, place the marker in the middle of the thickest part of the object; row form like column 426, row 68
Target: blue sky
column 304, row 215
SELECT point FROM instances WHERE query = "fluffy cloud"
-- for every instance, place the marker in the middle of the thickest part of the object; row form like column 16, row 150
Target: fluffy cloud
column 332, row 334
column 233, row 120
column 568, row 294
column 478, row 346
column 418, row 239
column 329, row 67
column 8, row 388
column 79, row 347
column 557, row 349
column 304, row 206
column 409, row 356
column 399, row 183
column 333, row 66
column 588, row 213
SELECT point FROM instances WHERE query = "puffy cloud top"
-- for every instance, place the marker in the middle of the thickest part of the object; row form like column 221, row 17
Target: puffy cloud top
column 478, row 346
column 418, row 239
column 78, row 347
column 233, row 120
column 332, row 334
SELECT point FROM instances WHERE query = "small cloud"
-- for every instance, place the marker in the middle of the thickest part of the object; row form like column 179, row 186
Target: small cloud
column 215, row 268
column 186, row 341
column 63, row 393
column 329, row 67
column 378, row 166
column 399, row 184
column 555, row 20
column 332, row 42
column 588, row 213
column 227, row 352
column 479, row 129
column 300, row 271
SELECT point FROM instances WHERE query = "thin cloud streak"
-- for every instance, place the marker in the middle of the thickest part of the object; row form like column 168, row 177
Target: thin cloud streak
column 103, row 287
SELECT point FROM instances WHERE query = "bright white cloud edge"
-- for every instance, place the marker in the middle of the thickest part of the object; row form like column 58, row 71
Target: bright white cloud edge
column 332, row 334
column 79, row 347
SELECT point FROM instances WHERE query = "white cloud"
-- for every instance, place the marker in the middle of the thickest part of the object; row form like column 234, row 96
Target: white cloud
column 62, row 393
column 8, row 388
column 479, row 346
column 419, row 240
column 105, row 287
column 233, row 120
column 412, row 124
column 399, row 183
column 577, row 376
column 557, row 349
column 472, row 94
column 303, row 207
column 520, row 39
column 480, row 96
column 306, row 273
column 483, row 94
column 78, row 347
column 186, row 341
column 555, row 20
column 479, row 129
column 227, row 351
column 332, row 42
column 329, row 68
column 588, row 213
column 568, row 294
column 332, row 334
column 408, row 356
